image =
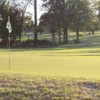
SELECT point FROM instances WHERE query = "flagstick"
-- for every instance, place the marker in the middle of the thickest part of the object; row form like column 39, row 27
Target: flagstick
column 9, row 29
column 9, row 51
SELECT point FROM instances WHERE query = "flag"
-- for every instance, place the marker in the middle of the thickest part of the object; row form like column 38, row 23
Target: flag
column 9, row 25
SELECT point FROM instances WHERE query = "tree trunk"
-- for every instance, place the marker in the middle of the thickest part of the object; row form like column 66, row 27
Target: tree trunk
column 93, row 32
column 65, row 36
column 20, row 38
column 59, row 35
column 20, row 33
column 53, row 38
column 77, row 35
column 53, row 31
column 35, row 19
column 53, row 21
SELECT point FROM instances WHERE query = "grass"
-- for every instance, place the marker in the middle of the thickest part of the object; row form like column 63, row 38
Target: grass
column 26, row 87
column 90, row 45
column 67, row 72
column 73, row 60
column 72, row 66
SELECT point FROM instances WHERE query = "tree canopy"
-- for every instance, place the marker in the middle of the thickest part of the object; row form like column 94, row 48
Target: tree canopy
column 59, row 17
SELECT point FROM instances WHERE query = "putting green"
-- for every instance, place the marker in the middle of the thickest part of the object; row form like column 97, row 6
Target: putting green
column 32, row 63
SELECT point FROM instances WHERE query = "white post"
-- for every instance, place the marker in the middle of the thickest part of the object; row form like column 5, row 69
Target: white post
column 9, row 28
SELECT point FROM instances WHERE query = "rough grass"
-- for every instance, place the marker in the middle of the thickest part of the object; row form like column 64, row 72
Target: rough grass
column 26, row 87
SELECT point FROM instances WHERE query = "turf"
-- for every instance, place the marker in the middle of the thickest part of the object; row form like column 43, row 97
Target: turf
column 32, row 63
column 26, row 87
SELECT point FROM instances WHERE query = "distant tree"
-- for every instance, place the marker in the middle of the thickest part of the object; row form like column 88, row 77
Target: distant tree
column 58, row 19
column 82, row 13
column 3, row 21
column 28, row 22
column 67, row 9
column 46, row 21
column 93, row 25
column 49, row 18
column 98, row 8
column 40, row 29
column 62, row 12
column 17, row 13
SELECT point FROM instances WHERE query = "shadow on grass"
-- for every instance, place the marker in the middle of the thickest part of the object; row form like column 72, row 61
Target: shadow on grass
column 89, row 42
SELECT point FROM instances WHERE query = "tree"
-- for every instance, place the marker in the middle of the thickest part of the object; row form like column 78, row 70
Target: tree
column 62, row 13
column 67, row 16
column 16, row 24
column 40, row 29
column 28, row 22
column 46, row 21
column 3, row 21
column 97, row 4
column 93, row 25
column 49, row 18
column 82, row 14
column 17, row 13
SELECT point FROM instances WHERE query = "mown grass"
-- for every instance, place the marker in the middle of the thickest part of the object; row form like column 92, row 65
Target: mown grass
column 26, row 87
column 31, row 63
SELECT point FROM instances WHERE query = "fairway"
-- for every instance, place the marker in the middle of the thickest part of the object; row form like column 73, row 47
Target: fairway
column 54, row 65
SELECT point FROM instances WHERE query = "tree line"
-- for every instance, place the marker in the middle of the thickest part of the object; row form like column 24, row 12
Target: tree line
column 59, row 17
